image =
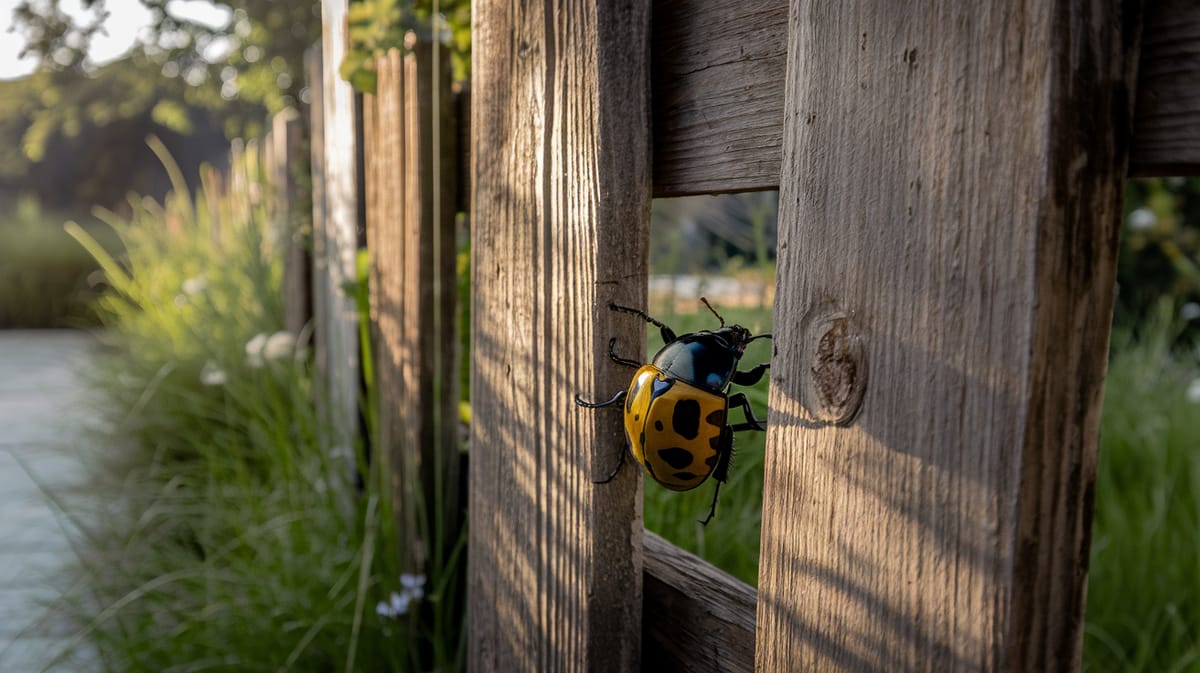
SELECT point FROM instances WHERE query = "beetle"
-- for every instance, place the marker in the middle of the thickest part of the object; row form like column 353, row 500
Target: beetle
column 677, row 406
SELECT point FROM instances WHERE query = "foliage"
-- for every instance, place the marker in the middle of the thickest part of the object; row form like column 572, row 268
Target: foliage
column 252, row 61
column 221, row 530
column 44, row 275
column 1160, row 252
column 79, row 139
column 1143, row 611
column 376, row 26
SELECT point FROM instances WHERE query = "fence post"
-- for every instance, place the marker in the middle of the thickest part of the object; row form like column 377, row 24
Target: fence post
column 335, row 228
column 411, row 239
column 560, row 208
column 950, row 203
column 283, row 147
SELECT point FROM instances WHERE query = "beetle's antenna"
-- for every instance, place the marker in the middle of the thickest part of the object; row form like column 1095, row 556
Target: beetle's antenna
column 764, row 335
column 714, row 311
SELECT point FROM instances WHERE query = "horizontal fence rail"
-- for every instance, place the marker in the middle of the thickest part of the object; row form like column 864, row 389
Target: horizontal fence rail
column 718, row 100
column 696, row 617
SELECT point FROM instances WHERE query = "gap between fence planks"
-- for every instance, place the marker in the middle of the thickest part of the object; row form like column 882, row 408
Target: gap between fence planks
column 411, row 195
column 948, row 244
column 718, row 98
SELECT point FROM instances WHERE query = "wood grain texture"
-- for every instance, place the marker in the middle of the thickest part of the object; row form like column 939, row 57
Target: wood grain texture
column 1166, row 134
column 411, row 192
column 560, row 210
column 950, row 201
column 286, row 143
column 696, row 617
column 718, row 94
column 335, row 231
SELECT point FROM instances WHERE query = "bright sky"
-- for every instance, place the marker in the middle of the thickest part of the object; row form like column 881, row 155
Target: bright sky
column 126, row 20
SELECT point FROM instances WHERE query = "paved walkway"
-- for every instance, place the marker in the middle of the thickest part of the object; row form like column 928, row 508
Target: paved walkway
column 40, row 419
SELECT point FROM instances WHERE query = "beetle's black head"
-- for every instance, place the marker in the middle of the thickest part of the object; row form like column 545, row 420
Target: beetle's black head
column 705, row 359
column 735, row 336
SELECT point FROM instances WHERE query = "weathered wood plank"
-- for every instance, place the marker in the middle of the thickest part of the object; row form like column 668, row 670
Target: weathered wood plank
column 718, row 97
column 285, row 144
column 950, row 203
column 335, row 231
column 1166, row 134
column 560, row 210
column 411, row 178
column 696, row 617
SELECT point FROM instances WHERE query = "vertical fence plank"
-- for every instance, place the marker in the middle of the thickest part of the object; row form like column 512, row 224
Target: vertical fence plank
column 285, row 145
column 560, row 207
column 950, row 201
column 335, row 230
column 316, row 122
column 411, row 239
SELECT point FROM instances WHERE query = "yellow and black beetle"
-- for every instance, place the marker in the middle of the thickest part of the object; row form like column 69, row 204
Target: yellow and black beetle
column 676, row 407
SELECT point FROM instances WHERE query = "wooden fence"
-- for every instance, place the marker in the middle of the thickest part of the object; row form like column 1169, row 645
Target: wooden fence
column 950, row 183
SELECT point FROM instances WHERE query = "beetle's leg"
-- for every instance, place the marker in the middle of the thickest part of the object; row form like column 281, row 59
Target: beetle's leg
column 712, row 509
column 752, row 421
column 721, row 471
column 612, row 344
column 749, row 378
column 596, row 405
column 612, row 475
column 668, row 334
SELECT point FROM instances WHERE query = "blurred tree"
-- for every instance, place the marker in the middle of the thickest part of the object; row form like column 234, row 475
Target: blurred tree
column 78, row 139
column 185, row 75
column 251, row 61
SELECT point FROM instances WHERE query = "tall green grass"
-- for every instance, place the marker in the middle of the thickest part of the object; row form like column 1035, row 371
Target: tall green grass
column 1143, row 609
column 220, row 530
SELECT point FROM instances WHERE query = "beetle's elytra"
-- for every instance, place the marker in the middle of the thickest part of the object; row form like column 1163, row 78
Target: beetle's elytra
column 677, row 407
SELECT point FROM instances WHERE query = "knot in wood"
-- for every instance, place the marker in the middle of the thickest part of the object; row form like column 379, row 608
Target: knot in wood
column 838, row 370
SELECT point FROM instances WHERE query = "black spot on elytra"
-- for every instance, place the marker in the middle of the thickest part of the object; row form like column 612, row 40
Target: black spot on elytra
column 637, row 386
column 658, row 426
column 716, row 417
column 676, row 457
column 711, row 460
column 685, row 420
column 685, row 476
column 642, row 440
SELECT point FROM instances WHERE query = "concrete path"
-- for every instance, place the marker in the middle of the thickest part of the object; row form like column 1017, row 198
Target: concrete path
column 41, row 417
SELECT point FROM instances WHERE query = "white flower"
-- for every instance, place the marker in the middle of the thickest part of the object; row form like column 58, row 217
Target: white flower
column 1193, row 391
column 1142, row 219
column 413, row 585
column 396, row 605
column 254, row 350
column 193, row 286
column 412, row 588
column 212, row 375
column 279, row 345
column 1189, row 311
